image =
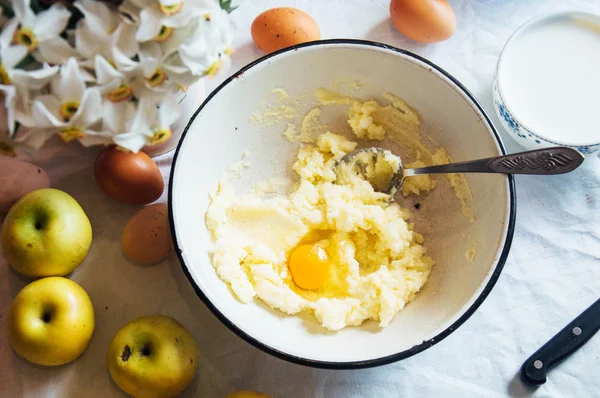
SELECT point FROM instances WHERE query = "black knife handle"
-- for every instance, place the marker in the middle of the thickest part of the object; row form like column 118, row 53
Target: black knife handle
column 563, row 344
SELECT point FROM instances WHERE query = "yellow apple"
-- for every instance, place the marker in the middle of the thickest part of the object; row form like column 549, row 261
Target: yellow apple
column 46, row 233
column 248, row 394
column 51, row 321
column 153, row 356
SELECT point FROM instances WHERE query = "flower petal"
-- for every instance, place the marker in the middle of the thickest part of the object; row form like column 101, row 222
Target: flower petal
column 8, row 32
column 117, row 116
column 149, row 54
column 93, row 137
column 54, row 51
column 23, row 12
column 33, row 80
column 90, row 110
column 180, row 75
column 10, row 56
column 45, row 112
column 150, row 24
column 105, row 72
column 144, row 118
column 50, row 23
column 132, row 141
column 36, row 138
column 100, row 19
column 189, row 10
column 121, row 39
column 168, row 112
column 9, row 104
column 23, row 105
column 123, row 62
column 178, row 36
column 69, row 86
column 151, row 50
column 141, row 89
column 85, row 41
column 130, row 11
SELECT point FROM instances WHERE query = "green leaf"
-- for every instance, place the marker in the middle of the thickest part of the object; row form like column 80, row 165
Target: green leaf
column 226, row 5
column 28, row 60
column 6, row 10
column 36, row 6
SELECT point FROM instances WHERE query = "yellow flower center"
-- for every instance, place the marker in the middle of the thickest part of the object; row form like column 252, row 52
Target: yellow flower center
column 207, row 17
column 70, row 134
column 4, row 79
column 228, row 51
column 163, row 35
column 7, row 149
column 121, row 93
column 68, row 109
column 160, row 136
column 26, row 37
column 157, row 78
column 214, row 68
column 170, row 10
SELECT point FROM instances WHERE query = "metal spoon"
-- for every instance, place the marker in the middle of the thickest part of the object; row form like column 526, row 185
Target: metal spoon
column 547, row 161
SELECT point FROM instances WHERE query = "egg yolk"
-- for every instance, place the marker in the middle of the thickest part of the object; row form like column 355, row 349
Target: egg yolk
column 309, row 266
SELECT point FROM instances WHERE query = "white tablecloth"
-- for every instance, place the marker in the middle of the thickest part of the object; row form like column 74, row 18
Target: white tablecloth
column 552, row 273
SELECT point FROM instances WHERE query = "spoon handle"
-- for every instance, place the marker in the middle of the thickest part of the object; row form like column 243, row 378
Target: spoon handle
column 546, row 161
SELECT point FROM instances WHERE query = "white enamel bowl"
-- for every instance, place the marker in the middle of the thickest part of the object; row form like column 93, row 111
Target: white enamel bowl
column 221, row 130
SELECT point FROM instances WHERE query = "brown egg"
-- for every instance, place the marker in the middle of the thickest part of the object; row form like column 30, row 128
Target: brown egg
column 18, row 178
column 146, row 238
column 282, row 27
column 425, row 21
column 128, row 177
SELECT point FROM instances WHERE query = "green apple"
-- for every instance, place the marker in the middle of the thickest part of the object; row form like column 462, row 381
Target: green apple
column 153, row 356
column 51, row 321
column 46, row 233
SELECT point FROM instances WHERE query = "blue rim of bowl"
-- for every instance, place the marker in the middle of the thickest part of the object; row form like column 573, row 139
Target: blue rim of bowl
column 585, row 147
column 369, row 363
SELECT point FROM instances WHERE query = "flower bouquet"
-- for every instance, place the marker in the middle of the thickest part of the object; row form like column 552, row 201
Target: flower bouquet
column 105, row 72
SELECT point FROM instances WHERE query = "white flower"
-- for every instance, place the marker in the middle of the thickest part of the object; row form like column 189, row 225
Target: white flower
column 209, row 46
column 113, row 84
column 119, row 86
column 72, row 110
column 16, row 84
column 156, row 14
column 149, row 126
column 39, row 34
column 203, row 45
column 163, row 72
column 103, row 32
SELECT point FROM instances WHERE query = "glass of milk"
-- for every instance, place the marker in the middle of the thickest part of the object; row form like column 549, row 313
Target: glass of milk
column 547, row 82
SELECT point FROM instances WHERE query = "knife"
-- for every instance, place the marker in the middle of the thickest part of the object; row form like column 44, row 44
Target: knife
column 535, row 369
